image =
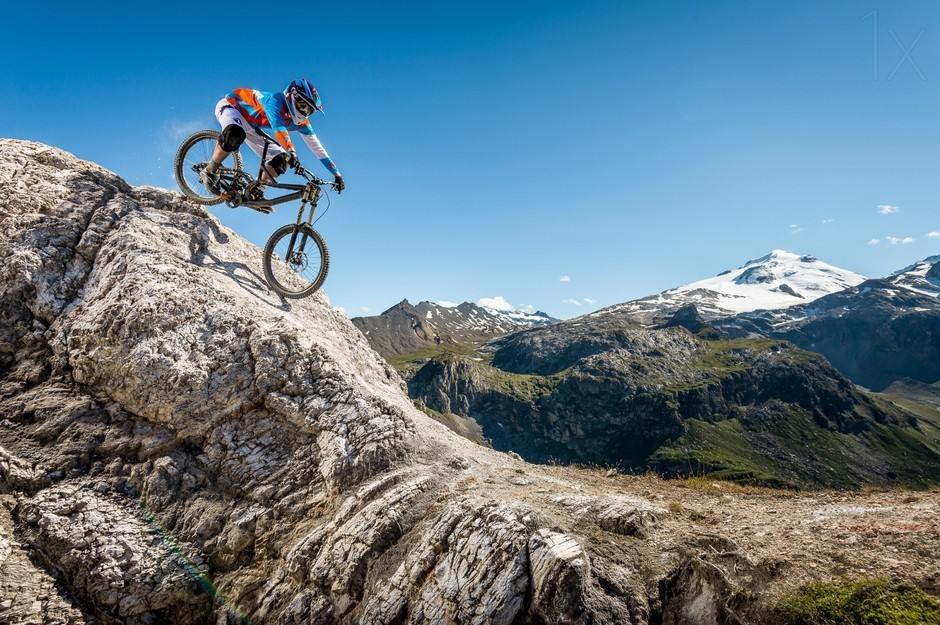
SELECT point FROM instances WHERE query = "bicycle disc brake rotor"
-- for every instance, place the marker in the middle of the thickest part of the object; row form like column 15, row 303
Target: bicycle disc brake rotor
column 298, row 261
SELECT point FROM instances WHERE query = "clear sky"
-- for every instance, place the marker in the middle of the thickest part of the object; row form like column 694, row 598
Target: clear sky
column 562, row 155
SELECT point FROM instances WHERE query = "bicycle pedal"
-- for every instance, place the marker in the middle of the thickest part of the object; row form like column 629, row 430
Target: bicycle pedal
column 262, row 208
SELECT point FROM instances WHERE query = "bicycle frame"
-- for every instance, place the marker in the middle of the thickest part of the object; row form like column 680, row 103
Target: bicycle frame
column 308, row 193
column 295, row 258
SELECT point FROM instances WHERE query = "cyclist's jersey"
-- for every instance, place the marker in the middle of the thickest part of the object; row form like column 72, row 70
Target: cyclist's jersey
column 269, row 110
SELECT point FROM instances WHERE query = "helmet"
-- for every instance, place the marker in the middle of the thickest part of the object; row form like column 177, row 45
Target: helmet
column 302, row 99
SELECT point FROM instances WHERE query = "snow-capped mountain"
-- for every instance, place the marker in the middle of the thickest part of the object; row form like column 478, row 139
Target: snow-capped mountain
column 475, row 317
column 778, row 280
column 405, row 327
column 922, row 277
column 877, row 332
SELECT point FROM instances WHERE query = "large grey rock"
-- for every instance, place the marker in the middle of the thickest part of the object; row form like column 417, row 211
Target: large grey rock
column 178, row 444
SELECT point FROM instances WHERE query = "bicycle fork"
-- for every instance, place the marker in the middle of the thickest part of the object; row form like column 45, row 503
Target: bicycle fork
column 312, row 196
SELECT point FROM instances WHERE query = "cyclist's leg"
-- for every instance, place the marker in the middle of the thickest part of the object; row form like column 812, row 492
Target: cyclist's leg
column 276, row 163
column 230, row 139
column 241, row 131
column 233, row 130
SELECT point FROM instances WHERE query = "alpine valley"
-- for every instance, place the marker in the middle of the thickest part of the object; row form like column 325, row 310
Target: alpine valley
column 765, row 373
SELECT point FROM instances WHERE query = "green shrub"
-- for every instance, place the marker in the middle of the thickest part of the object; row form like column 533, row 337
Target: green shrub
column 870, row 601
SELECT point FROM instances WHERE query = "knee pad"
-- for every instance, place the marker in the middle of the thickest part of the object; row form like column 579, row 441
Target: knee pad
column 279, row 163
column 232, row 137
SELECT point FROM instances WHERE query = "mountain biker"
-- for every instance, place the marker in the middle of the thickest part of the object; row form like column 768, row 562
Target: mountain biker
column 243, row 110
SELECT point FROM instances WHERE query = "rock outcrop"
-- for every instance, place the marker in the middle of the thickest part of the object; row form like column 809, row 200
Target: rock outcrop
column 933, row 273
column 178, row 444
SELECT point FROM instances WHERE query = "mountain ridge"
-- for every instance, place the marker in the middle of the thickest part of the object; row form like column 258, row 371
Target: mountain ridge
column 876, row 332
column 405, row 327
column 776, row 280
column 562, row 392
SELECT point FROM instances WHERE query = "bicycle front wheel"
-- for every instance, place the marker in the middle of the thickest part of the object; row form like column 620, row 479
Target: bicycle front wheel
column 192, row 157
column 296, row 261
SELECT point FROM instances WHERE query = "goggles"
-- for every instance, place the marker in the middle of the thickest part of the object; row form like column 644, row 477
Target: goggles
column 304, row 106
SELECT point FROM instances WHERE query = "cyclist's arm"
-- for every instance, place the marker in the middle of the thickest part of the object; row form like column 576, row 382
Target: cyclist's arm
column 272, row 111
column 310, row 138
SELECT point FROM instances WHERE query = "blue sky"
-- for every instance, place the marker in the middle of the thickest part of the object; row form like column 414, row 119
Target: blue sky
column 564, row 156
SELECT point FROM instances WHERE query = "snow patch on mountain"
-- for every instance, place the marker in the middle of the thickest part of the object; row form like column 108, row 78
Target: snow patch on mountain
column 780, row 279
column 922, row 277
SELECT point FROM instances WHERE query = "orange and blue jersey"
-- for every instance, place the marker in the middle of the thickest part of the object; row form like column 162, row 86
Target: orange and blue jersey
column 264, row 109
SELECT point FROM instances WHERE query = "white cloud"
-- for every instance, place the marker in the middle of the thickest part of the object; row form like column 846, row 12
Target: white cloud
column 364, row 309
column 828, row 221
column 573, row 302
column 168, row 142
column 899, row 240
column 934, row 234
column 589, row 301
column 496, row 303
column 446, row 304
column 528, row 308
column 795, row 229
column 178, row 129
column 874, row 242
column 907, row 241
column 887, row 209
column 564, row 279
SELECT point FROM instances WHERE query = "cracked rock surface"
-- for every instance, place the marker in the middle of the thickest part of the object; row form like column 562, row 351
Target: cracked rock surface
column 178, row 444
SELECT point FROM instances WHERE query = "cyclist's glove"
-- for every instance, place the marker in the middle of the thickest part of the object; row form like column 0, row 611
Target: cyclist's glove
column 292, row 159
column 338, row 183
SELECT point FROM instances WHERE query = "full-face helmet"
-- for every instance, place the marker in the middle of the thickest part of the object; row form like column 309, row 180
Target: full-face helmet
column 302, row 99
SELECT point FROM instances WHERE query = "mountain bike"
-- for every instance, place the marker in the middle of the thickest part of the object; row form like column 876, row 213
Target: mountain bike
column 295, row 258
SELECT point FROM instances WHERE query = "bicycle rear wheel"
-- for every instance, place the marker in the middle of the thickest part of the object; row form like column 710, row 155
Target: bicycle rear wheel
column 191, row 158
column 296, row 261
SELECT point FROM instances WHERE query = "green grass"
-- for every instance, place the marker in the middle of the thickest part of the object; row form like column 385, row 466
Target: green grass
column 720, row 359
column 734, row 355
column 719, row 451
column 715, row 486
column 923, row 411
column 928, row 417
column 870, row 601
column 409, row 362
column 527, row 387
column 770, row 453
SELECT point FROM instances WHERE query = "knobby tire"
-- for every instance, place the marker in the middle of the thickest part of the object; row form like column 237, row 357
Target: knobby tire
column 304, row 273
column 195, row 150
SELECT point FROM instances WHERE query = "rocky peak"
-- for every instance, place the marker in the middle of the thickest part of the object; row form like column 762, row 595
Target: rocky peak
column 686, row 317
column 877, row 332
column 178, row 444
column 934, row 271
column 921, row 277
column 774, row 281
column 405, row 328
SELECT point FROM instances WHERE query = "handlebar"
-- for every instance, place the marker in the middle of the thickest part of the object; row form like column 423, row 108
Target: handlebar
column 300, row 170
